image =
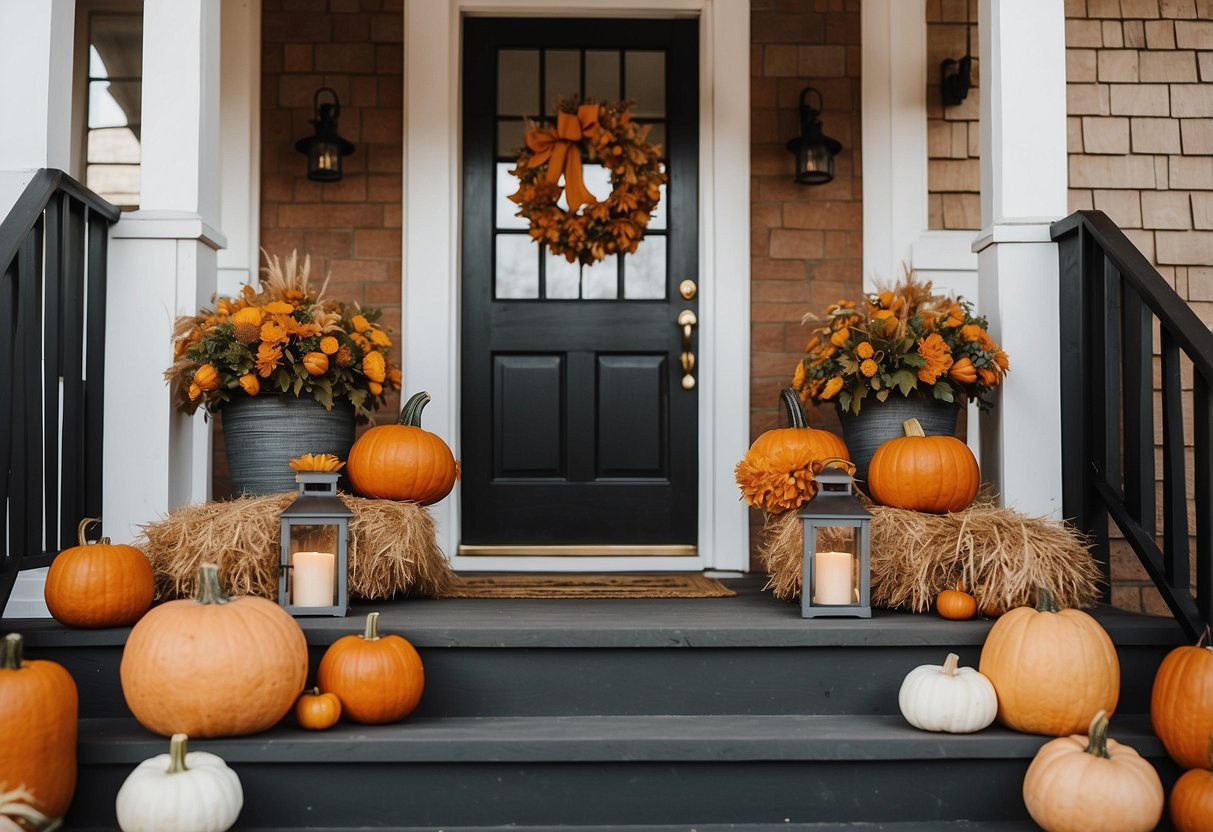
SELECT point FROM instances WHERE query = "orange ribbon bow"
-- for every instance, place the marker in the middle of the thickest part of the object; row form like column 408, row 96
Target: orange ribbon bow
column 559, row 149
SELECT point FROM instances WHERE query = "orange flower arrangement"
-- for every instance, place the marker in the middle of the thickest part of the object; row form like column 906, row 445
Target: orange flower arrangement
column 282, row 340
column 590, row 229
column 905, row 340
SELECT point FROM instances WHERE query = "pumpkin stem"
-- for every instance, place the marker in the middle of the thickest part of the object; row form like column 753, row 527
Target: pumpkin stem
column 1203, row 641
column 83, row 527
column 176, row 754
column 911, row 427
column 13, row 649
column 1097, row 735
column 410, row 414
column 950, row 664
column 372, row 627
column 791, row 403
column 1045, row 602
column 209, row 590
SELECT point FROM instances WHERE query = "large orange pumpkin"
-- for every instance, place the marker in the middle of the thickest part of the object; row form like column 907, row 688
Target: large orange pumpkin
column 1052, row 669
column 377, row 678
column 402, row 461
column 38, row 723
column 935, row 474
column 99, row 585
column 1085, row 783
column 213, row 666
column 800, row 440
column 1181, row 703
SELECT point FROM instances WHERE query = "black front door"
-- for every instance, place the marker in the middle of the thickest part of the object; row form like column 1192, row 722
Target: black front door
column 577, row 429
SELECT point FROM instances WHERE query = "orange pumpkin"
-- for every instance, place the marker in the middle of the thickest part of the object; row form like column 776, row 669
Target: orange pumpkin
column 799, row 441
column 1080, row 783
column 316, row 363
column 935, row 474
column 317, row 711
column 1192, row 799
column 956, row 604
column 402, row 461
column 99, row 585
column 963, row 371
column 377, row 678
column 213, row 666
column 38, row 723
column 1052, row 669
column 1181, row 703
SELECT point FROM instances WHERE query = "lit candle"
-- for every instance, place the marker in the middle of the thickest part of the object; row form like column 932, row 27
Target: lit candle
column 315, row 574
column 832, row 580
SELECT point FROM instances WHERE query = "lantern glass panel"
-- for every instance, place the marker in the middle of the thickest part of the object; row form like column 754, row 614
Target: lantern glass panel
column 815, row 164
column 324, row 160
column 835, row 565
column 312, row 566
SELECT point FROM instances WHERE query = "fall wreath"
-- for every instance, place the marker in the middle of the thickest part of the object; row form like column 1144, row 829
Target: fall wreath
column 590, row 229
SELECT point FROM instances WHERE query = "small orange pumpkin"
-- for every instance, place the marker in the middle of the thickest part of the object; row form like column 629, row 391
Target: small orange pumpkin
column 1181, row 703
column 956, row 604
column 316, row 363
column 317, row 711
column 799, row 440
column 963, row 371
column 38, row 715
column 99, row 585
column 1192, row 799
column 206, row 377
column 402, row 461
column 378, row 679
column 935, row 474
column 1053, row 669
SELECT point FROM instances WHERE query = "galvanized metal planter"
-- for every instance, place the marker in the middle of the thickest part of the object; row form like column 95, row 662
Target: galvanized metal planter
column 263, row 433
column 878, row 422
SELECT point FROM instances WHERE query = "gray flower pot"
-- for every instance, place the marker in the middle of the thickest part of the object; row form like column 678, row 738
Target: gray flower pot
column 878, row 422
column 263, row 433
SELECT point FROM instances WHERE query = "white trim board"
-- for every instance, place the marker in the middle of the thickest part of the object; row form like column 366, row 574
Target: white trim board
column 430, row 285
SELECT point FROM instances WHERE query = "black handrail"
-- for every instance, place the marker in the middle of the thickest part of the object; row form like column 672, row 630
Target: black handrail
column 52, row 362
column 1112, row 299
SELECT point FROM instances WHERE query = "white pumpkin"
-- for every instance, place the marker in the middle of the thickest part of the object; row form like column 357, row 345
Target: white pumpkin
column 180, row 792
column 958, row 700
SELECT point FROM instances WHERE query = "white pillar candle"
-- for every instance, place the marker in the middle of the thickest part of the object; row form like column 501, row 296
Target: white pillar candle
column 832, row 580
column 315, row 574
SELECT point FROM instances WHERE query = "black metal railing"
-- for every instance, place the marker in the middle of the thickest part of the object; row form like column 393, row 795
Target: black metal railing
column 52, row 350
column 1112, row 302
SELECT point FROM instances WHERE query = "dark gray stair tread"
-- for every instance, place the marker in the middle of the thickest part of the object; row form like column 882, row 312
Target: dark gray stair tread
column 932, row 826
column 753, row 618
column 576, row 739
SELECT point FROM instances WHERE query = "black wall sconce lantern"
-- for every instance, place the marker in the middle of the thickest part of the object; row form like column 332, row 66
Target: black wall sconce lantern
column 325, row 149
column 954, row 85
column 814, row 150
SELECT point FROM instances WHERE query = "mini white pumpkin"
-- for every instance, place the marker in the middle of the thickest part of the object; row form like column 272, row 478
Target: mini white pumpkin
column 180, row 792
column 958, row 700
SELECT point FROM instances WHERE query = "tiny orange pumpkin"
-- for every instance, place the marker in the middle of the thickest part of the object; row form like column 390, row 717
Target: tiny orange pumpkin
column 317, row 711
column 316, row 363
column 956, row 604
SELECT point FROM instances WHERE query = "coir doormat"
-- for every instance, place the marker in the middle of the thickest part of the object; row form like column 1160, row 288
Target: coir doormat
column 585, row 586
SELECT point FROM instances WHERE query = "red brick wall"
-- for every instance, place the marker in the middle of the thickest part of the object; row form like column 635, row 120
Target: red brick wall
column 350, row 228
column 806, row 243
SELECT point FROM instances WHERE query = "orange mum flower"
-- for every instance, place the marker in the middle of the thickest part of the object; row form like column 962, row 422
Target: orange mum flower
column 279, row 307
column 380, row 338
column 248, row 325
column 394, row 377
column 939, row 358
column 329, row 345
column 832, row 387
column 273, row 332
column 1004, row 363
column 864, row 350
column 868, row 368
column 840, row 337
column 361, row 324
column 268, row 356
column 971, row 332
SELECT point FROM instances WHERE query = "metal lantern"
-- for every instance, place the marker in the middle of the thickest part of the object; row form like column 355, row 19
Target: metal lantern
column 325, row 149
column 814, row 150
column 837, row 567
column 313, row 563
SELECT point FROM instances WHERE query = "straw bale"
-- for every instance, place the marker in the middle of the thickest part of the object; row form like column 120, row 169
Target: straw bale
column 392, row 548
column 999, row 555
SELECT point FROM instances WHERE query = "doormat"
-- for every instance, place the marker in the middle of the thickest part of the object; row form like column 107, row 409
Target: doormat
column 586, row 586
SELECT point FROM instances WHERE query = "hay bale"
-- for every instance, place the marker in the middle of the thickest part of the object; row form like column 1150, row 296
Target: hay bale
column 998, row 554
column 392, row 548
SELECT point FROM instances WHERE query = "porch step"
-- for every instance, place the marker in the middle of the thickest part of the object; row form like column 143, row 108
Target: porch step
column 583, row 772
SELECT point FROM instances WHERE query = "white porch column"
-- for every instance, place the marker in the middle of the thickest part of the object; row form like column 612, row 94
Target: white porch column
column 163, row 264
column 1023, row 189
column 36, row 64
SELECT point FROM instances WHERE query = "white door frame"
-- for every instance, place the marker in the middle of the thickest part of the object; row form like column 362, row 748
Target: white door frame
column 430, row 285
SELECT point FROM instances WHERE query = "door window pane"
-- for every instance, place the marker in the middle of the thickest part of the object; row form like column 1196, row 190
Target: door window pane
column 562, row 79
column 517, row 267
column 657, row 219
column 602, row 75
column 601, row 280
column 510, row 138
column 562, row 279
column 645, row 72
column 518, row 82
column 644, row 270
column 507, row 184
